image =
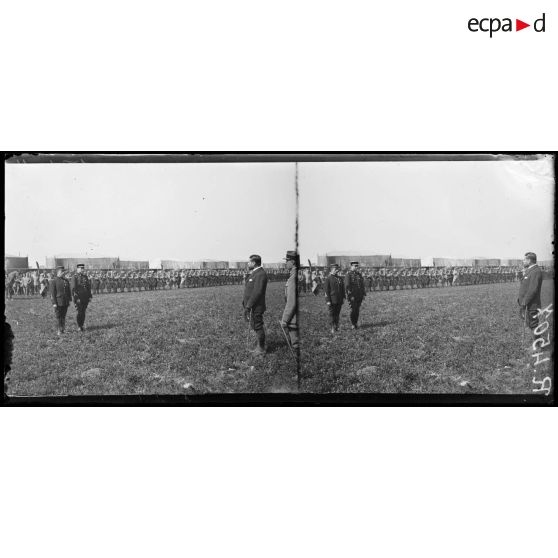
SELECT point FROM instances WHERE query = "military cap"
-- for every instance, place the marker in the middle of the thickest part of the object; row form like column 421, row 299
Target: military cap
column 354, row 263
column 60, row 267
column 334, row 266
column 80, row 265
column 291, row 255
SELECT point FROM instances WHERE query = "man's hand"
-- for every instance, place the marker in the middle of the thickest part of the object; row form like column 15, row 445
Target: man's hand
column 352, row 299
column 328, row 303
column 284, row 325
column 522, row 310
column 54, row 305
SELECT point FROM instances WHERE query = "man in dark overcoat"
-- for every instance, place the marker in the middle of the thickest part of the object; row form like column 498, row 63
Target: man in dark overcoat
column 81, row 294
column 61, row 296
column 356, row 292
column 253, row 301
column 334, row 289
column 529, row 298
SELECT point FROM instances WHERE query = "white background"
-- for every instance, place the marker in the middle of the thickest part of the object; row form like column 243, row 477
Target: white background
column 276, row 482
column 290, row 75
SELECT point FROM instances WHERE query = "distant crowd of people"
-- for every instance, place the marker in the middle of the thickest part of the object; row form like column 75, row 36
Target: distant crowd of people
column 34, row 282
column 311, row 280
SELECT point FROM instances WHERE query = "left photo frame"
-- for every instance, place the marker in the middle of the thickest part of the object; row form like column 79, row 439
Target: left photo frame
column 112, row 269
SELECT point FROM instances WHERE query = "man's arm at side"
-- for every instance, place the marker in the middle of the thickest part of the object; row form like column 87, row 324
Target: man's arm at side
column 327, row 290
column 52, row 288
column 260, row 283
column 534, row 279
column 290, row 307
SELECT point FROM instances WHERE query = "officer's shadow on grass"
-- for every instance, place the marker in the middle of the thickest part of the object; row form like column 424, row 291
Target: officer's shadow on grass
column 373, row 325
column 274, row 346
column 101, row 326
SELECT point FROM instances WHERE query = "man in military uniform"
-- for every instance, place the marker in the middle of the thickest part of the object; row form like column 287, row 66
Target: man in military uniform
column 356, row 292
column 529, row 299
column 289, row 321
column 61, row 295
column 334, row 289
column 254, row 300
column 81, row 294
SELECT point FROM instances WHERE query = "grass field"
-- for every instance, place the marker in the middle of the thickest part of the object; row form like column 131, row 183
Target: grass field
column 152, row 342
column 451, row 340
column 439, row 340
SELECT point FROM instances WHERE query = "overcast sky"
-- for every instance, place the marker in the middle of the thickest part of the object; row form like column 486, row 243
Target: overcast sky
column 149, row 211
column 424, row 209
column 228, row 211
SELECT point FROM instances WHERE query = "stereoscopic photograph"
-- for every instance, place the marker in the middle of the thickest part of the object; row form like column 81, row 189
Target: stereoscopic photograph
column 410, row 274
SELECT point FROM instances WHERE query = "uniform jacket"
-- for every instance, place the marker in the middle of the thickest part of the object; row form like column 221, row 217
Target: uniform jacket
column 254, row 290
column 354, row 285
column 289, row 313
column 81, row 288
column 60, row 292
column 334, row 289
column 530, row 288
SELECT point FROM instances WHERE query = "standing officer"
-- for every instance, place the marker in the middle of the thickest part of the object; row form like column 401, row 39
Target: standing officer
column 81, row 294
column 335, row 295
column 254, row 300
column 289, row 320
column 61, row 295
column 356, row 292
column 529, row 298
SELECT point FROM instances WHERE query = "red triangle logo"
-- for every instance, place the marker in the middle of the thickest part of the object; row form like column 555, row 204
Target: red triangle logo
column 519, row 25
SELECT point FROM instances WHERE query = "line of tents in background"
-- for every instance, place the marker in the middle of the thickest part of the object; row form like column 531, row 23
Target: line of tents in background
column 386, row 260
column 325, row 260
column 17, row 262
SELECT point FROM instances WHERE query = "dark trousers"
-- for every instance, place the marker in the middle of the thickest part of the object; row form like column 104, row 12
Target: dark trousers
column 81, row 308
column 334, row 311
column 257, row 324
column 533, row 318
column 355, row 311
column 60, row 313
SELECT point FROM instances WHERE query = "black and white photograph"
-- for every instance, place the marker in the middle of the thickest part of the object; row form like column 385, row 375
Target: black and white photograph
column 279, row 279
column 153, row 278
column 414, row 275
column 428, row 276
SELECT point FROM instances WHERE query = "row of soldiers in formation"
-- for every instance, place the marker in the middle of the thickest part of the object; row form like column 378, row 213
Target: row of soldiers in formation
column 385, row 279
column 36, row 283
column 351, row 286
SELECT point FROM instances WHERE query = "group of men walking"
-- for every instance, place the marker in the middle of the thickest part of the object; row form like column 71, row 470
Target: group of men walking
column 337, row 289
column 63, row 292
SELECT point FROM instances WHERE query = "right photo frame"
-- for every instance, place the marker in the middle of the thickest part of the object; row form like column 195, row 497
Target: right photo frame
column 427, row 274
